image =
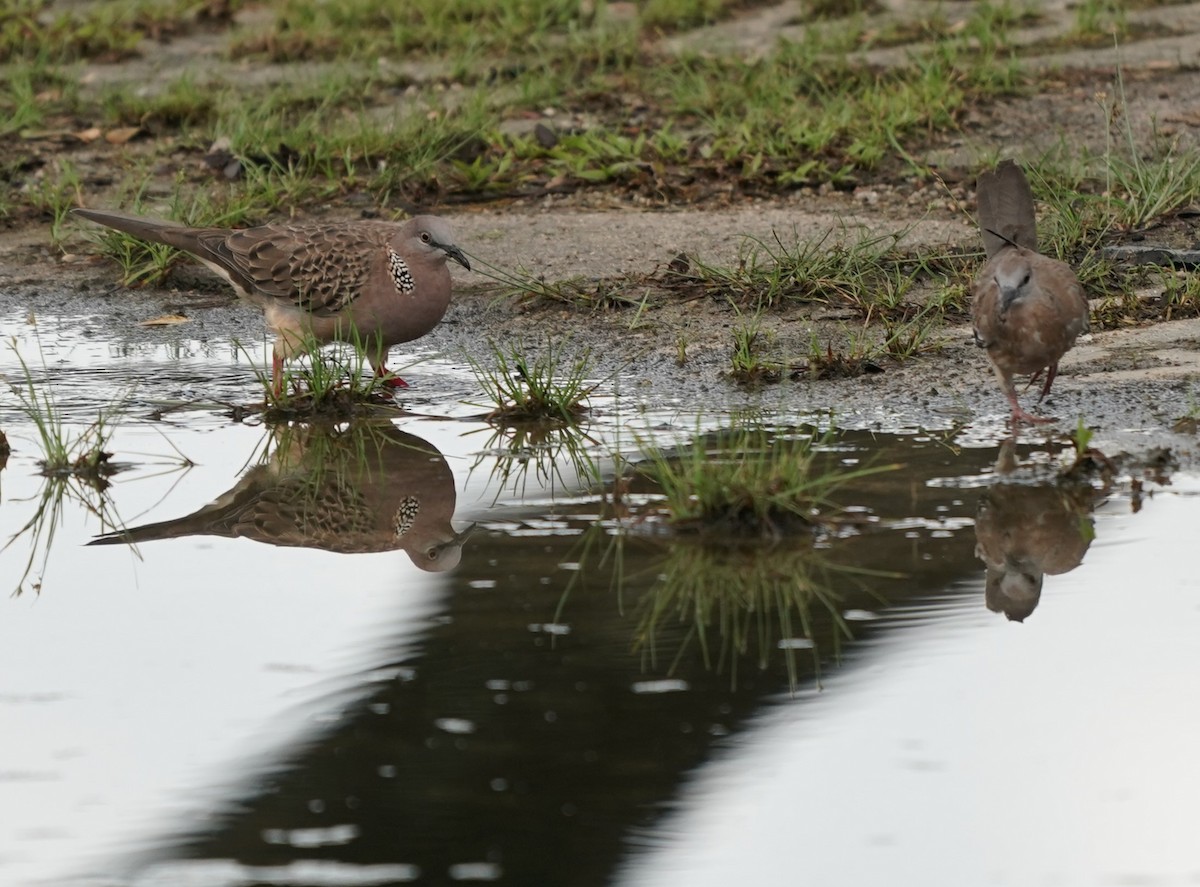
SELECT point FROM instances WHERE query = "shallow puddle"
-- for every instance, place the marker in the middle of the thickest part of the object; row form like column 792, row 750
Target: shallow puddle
column 424, row 650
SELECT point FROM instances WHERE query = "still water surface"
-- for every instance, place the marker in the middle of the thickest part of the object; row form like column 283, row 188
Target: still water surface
column 540, row 704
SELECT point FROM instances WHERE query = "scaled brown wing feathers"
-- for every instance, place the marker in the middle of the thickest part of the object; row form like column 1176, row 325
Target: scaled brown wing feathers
column 321, row 271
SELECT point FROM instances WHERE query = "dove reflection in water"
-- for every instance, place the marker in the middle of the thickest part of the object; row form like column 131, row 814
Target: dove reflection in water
column 365, row 488
column 1025, row 531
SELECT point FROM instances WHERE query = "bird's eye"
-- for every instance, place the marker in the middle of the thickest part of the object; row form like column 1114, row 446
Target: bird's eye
column 424, row 237
column 432, row 554
column 1025, row 279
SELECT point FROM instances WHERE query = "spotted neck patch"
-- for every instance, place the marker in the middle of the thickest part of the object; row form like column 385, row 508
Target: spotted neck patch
column 406, row 514
column 401, row 276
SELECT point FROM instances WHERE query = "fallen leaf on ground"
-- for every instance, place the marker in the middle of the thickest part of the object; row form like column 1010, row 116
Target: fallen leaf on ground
column 165, row 320
column 121, row 135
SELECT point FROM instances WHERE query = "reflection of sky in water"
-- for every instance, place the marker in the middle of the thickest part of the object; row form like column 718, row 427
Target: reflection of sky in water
column 974, row 751
column 161, row 366
column 958, row 749
column 142, row 686
column 79, row 342
column 142, row 690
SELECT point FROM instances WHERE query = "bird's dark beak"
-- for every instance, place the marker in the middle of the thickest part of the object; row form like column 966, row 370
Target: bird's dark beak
column 456, row 254
column 460, row 538
column 1007, row 297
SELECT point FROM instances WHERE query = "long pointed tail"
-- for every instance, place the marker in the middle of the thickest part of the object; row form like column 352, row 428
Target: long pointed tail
column 168, row 529
column 1006, row 208
column 156, row 230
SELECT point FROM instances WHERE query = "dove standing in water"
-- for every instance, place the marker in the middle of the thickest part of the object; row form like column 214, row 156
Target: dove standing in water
column 1027, row 308
column 372, row 284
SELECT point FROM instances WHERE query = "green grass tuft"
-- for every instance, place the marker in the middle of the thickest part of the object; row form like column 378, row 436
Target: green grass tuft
column 551, row 386
column 750, row 481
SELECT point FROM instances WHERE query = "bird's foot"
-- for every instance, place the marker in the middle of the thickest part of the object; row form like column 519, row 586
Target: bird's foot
column 1019, row 415
column 390, row 381
column 1051, row 372
column 276, row 375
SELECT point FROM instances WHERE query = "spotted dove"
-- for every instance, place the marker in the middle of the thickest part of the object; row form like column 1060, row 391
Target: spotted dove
column 1027, row 308
column 1025, row 532
column 373, row 284
column 366, row 488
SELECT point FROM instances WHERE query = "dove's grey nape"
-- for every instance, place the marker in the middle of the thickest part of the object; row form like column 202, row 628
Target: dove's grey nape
column 1027, row 308
column 372, row 284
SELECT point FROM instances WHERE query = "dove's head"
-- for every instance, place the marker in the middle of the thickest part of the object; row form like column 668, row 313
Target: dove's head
column 1013, row 590
column 1012, row 275
column 429, row 238
column 438, row 553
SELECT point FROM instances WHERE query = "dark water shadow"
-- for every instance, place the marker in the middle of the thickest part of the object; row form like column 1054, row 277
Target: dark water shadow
column 575, row 678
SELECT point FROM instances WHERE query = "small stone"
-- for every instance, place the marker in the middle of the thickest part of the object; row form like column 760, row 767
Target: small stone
column 546, row 137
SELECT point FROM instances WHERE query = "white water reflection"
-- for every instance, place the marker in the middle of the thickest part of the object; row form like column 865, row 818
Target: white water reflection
column 136, row 693
column 971, row 750
column 138, row 697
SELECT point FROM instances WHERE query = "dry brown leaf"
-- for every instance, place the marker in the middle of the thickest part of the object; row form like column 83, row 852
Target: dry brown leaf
column 122, row 134
column 89, row 135
column 165, row 320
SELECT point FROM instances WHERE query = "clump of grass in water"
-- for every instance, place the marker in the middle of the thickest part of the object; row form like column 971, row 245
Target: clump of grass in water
column 76, row 467
column 83, row 455
column 549, row 387
column 749, row 482
column 1089, row 462
column 324, row 383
